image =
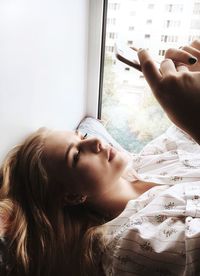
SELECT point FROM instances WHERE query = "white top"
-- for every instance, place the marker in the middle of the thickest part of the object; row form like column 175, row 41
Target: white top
column 159, row 232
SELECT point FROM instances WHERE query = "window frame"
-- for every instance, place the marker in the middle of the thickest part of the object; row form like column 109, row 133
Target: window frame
column 96, row 55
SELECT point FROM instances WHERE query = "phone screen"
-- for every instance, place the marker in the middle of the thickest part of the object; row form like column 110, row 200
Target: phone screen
column 127, row 55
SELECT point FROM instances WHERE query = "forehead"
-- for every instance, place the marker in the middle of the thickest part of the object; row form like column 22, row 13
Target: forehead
column 57, row 141
column 57, row 136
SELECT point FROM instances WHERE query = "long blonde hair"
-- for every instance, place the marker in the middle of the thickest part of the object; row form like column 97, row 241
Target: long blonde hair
column 44, row 237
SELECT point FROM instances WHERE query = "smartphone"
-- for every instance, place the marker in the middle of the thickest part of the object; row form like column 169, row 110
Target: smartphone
column 128, row 55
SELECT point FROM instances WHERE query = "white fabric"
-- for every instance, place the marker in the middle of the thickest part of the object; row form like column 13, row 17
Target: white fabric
column 159, row 232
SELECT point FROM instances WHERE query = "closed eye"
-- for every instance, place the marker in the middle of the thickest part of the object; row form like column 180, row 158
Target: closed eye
column 76, row 158
column 84, row 136
column 77, row 154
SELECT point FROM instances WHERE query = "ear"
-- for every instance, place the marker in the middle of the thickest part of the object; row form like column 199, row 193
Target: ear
column 74, row 199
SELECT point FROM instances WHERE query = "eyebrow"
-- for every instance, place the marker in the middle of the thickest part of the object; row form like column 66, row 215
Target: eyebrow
column 70, row 147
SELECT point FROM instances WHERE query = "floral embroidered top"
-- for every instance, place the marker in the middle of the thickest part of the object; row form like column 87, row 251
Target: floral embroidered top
column 159, row 232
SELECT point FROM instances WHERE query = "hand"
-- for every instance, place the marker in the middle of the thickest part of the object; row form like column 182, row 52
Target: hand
column 186, row 55
column 177, row 90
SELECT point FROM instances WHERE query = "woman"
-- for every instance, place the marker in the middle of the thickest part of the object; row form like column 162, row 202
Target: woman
column 52, row 191
column 57, row 189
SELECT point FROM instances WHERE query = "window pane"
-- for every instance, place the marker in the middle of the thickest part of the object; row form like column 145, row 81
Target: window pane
column 131, row 113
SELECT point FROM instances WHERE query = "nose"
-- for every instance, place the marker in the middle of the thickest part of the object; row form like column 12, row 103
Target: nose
column 93, row 144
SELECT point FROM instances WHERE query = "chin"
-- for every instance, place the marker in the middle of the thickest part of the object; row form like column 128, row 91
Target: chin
column 121, row 166
column 124, row 159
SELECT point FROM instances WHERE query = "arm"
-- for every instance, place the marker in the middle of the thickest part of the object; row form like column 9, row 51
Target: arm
column 177, row 90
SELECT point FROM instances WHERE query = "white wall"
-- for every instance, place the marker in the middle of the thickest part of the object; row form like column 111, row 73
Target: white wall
column 43, row 66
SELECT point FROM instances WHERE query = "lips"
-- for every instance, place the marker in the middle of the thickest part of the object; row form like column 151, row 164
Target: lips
column 112, row 153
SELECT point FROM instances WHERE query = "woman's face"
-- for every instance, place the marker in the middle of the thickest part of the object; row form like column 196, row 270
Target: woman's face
column 86, row 165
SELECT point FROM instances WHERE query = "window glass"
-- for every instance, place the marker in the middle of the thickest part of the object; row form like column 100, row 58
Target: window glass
column 128, row 108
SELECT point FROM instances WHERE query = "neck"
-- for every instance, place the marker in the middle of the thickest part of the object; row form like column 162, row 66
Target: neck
column 112, row 203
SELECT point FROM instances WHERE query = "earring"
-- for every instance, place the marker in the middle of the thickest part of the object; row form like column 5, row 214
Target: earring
column 74, row 199
column 82, row 199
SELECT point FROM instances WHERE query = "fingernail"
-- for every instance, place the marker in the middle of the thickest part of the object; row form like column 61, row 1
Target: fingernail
column 192, row 60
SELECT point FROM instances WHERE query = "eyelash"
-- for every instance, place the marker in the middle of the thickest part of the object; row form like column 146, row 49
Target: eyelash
column 84, row 136
column 77, row 155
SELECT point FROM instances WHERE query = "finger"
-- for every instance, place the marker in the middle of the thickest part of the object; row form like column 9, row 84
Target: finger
column 167, row 67
column 181, row 55
column 196, row 44
column 134, row 48
column 182, row 68
column 193, row 51
column 149, row 68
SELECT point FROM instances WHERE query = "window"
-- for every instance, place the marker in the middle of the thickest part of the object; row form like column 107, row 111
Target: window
column 114, row 6
column 161, row 52
column 110, row 49
column 111, row 21
column 164, row 38
column 172, row 23
column 147, row 36
column 131, row 113
column 151, row 6
column 196, row 9
column 169, row 38
column 174, row 7
column 149, row 21
column 195, row 24
column 167, row 23
column 169, row 7
column 193, row 37
column 130, row 42
column 131, row 28
column 112, row 35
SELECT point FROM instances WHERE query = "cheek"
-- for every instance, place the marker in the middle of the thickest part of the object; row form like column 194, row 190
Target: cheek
column 97, row 171
column 91, row 172
column 96, row 166
column 119, row 163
